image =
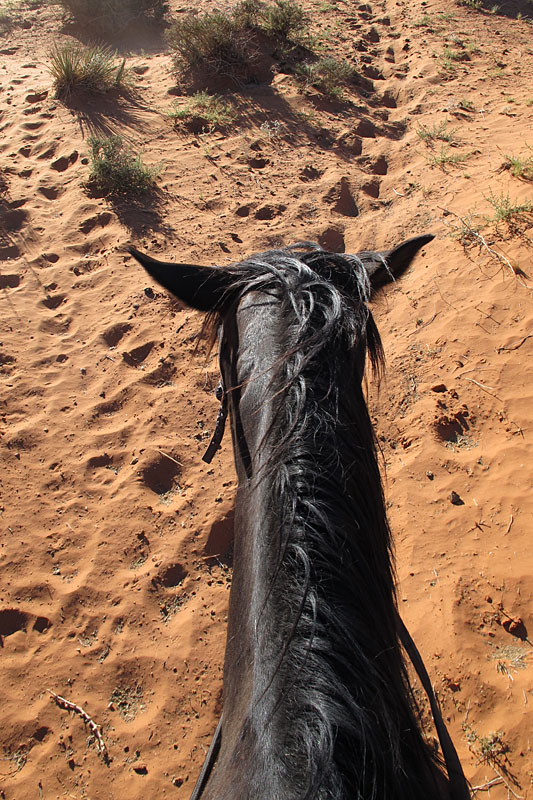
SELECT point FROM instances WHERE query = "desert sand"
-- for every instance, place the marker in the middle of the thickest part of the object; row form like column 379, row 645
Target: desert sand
column 115, row 537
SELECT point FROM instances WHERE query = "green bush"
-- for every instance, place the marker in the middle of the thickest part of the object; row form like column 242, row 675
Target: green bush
column 214, row 42
column 74, row 66
column 284, row 19
column 203, row 112
column 227, row 43
column 113, row 16
column 116, row 170
column 327, row 75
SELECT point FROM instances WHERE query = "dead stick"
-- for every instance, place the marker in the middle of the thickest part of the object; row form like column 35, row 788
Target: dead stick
column 484, row 787
column 91, row 724
column 424, row 325
column 510, row 523
column 515, row 346
column 162, row 453
column 485, row 388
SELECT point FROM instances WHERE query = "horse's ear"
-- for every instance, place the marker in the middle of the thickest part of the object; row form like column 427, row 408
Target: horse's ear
column 202, row 288
column 388, row 266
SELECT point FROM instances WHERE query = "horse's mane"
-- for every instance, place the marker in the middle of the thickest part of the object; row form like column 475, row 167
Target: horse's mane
column 343, row 711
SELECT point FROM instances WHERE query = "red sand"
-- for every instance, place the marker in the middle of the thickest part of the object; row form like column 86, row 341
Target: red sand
column 113, row 585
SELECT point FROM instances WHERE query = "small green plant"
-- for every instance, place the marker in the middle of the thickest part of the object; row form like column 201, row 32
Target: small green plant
column 204, row 112
column 519, row 166
column 506, row 210
column 438, row 131
column 492, row 747
column 113, row 16
column 116, row 170
column 74, row 66
column 327, row 75
column 477, row 5
column 446, row 158
column 425, row 21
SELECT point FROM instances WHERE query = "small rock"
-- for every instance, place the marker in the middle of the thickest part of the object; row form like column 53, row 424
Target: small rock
column 456, row 499
column 429, row 475
column 140, row 69
column 439, row 387
column 140, row 769
column 149, row 292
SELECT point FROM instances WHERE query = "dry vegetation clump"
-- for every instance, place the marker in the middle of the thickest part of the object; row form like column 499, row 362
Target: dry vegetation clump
column 116, row 170
column 74, row 66
column 227, row 43
column 107, row 17
column 204, row 112
column 520, row 166
column 327, row 75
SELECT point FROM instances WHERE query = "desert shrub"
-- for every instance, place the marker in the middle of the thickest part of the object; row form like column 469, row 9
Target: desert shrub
column 227, row 43
column 113, row 16
column 327, row 75
column 74, row 66
column 215, row 42
column 6, row 21
column 116, row 170
column 204, row 111
column 475, row 4
column 520, row 166
column 284, row 19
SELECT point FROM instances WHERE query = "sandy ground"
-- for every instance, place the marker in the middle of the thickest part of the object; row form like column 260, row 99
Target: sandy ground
column 114, row 535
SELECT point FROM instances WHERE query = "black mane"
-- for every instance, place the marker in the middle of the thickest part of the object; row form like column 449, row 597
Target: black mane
column 340, row 674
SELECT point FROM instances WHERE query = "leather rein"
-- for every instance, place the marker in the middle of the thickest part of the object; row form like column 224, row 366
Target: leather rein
column 458, row 784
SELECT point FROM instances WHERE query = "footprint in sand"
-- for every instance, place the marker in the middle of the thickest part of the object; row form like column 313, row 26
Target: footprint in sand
column 136, row 356
column 32, row 126
column 99, row 220
column 159, row 474
column 341, row 198
column 48, row 153
column 270, row 211
column 114, row 334
column 9, row 281
column 64, row 162
column 53, row 301
column 50, row 192
column 36, row 97
column 170, row 576
column 371, row 188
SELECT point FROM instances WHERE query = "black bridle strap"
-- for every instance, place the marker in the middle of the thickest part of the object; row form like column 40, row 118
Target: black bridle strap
column 220, row 424
column 209, row 762
column 458, row 784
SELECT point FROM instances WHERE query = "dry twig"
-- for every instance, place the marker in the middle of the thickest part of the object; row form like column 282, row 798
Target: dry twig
column 471, row 235
column 516, row 345
column 91, row 724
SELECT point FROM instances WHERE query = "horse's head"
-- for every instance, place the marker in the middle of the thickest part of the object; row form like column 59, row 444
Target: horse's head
column 301, row 296
column 210, row 288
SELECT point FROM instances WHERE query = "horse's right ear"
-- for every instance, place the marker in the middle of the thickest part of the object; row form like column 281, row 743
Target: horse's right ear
column 203, row 288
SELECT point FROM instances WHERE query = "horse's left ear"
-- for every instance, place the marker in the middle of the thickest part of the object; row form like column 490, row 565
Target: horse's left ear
column 203, row 288
column 396, row 261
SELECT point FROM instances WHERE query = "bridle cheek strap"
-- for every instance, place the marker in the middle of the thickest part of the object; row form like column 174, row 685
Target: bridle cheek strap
column 218, row 433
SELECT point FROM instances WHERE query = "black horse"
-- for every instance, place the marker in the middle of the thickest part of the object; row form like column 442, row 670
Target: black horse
column 317, row 703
